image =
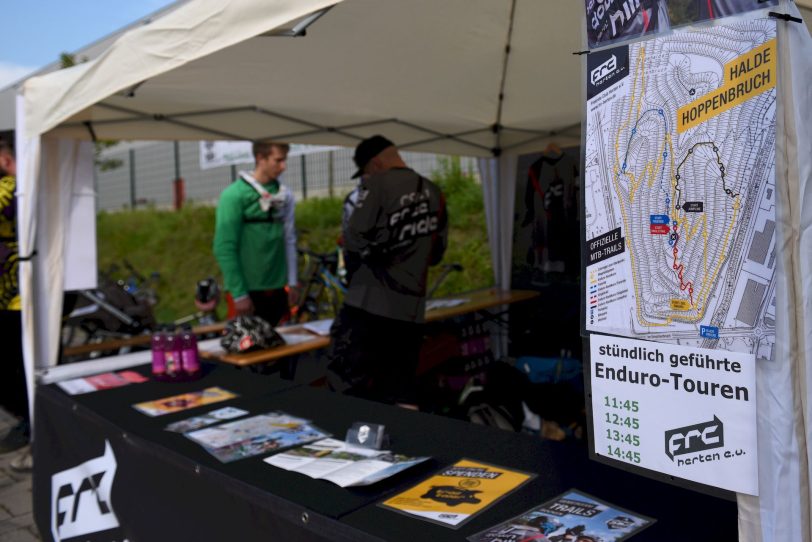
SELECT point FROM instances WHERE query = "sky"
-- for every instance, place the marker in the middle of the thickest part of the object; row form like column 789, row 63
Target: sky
column 40, row 30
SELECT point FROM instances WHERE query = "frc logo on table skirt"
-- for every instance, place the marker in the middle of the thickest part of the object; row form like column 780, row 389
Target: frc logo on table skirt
column 80, row 497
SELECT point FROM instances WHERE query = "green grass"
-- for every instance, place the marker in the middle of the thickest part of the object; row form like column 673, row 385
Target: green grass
column 177, row 244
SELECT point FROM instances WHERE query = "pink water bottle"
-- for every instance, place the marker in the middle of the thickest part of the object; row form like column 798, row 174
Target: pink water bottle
column 189, row 355
column 172, row 353
column 158, row 342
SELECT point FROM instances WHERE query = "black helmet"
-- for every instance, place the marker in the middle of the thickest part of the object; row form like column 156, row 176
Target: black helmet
column 246, row 333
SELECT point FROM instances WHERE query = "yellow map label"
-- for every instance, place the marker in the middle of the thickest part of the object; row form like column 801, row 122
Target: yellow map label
column 744, row 77
column 680, row 305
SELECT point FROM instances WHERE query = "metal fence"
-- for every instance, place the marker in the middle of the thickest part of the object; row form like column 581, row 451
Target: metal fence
column 148, row 170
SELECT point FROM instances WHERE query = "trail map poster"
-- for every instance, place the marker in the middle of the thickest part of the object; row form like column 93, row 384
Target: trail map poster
column 679, row 174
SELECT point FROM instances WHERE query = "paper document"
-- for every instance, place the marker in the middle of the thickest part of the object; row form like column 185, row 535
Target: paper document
column 343, row 464
column 296, row 338
column 458, row 492
column 434, row 304
column 319, row 327
column 570, row 516
column 256, row 435
column 105, row 381
column 185, row 401
column 210, row 418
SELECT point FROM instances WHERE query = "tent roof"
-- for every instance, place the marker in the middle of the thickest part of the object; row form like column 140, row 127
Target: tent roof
column 427, row 74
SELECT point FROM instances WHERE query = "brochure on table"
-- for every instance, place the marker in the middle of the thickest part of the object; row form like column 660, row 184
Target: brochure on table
column 105, row 381
column 264, row 433
column 210, row 418
column 184, row 401
column 573, row 515
column 343, row 464
column 457, row 493
column 437, row 304
column 686, row 412
column 319, row 327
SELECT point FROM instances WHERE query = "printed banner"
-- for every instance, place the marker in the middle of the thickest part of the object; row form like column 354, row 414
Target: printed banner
column 613, row 21
column 680, row 188
column 457, row 493
column 686, row 412
column 572, row 516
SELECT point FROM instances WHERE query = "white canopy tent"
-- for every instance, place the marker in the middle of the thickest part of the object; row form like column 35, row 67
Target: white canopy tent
column 488, row 78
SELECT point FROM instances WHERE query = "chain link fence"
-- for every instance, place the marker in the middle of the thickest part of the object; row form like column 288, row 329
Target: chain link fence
column 148, row 170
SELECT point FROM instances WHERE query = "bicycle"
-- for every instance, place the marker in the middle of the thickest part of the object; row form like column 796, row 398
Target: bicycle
column 141, row 287
column 323, row 287
column 116, row 309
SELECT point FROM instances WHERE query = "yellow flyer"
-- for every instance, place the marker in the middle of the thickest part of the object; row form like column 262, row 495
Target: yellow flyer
column 457, row 493
column 176, row 403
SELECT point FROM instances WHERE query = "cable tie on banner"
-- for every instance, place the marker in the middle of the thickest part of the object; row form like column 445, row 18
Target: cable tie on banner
column 581, row 52
column 785, row 17
column 27, row 258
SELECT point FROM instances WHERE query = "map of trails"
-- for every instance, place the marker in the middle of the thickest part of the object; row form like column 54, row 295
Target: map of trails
column 680, row 189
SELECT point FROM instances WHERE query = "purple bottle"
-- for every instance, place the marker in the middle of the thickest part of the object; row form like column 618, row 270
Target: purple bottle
column 172, row 353
column 158, row 342
column 188, row 354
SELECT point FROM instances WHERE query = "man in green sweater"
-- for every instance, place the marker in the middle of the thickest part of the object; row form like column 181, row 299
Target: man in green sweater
column 255, row 238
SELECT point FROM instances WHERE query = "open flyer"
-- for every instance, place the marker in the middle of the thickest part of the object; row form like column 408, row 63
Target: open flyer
column 570, row 516
column 256, row 435
column 457, row 493
column 343, row 464
column 185, row 401
column 104, row 381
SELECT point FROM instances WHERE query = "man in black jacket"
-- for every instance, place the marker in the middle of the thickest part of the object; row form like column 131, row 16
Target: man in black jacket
column 397, row 229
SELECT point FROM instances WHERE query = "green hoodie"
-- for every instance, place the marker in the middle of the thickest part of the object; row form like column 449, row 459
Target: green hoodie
column 256, row 249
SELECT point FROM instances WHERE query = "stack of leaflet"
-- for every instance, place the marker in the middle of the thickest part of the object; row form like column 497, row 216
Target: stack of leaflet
column 343, row 464
column 103, row 381
column 264, row 433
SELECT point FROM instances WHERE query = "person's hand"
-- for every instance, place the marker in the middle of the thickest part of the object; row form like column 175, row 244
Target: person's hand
column 243, row 306
column 293, row 295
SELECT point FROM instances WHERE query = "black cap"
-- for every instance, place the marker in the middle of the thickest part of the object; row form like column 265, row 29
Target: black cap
column 367, row 150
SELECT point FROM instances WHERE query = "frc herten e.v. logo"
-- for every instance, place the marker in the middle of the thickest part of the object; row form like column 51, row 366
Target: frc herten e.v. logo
column 606, row 68
column 694, row 438
column 80, row 497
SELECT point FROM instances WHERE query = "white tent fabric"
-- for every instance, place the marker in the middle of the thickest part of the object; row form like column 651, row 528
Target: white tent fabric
column 782, row 509
column 428, row 74
column 500, row 199
column 46, row 209
column 472, row 77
